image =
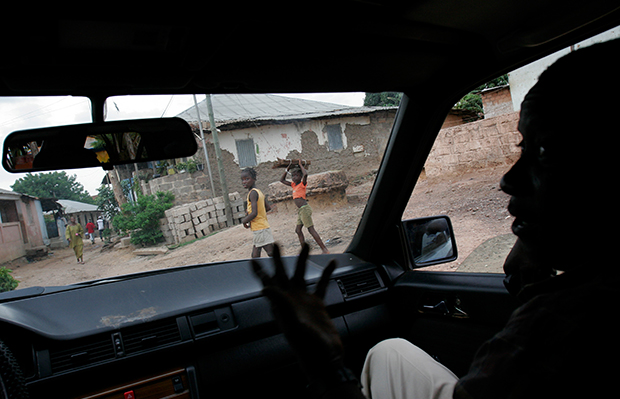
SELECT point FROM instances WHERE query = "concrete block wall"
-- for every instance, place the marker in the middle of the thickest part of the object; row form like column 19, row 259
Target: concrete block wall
column 477, row 145
column 197, row 219
column 496, row 102
column 186, row 187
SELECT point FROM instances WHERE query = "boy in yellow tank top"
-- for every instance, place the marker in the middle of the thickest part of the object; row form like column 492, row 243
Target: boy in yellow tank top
column 256, row 219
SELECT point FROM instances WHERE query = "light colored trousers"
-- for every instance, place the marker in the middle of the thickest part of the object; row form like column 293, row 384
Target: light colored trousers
column 397, row 369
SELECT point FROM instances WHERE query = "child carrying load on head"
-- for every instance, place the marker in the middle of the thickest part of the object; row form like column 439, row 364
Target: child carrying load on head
column 299, row 182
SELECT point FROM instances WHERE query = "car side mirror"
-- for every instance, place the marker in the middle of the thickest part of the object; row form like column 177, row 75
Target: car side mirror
column 98, row 144
column 429, row 240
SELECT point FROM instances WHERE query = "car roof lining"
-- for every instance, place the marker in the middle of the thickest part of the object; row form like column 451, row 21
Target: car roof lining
column 175, row 56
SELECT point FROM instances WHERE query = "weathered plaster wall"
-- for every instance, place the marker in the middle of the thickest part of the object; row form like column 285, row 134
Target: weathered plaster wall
column 364, row 141
column 11, row 242
column 21, row 231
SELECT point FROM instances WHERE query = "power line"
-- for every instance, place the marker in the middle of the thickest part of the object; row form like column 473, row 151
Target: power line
column 43, row 110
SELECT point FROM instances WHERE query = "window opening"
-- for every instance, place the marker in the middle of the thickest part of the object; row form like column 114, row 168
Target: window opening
column 334, row 137
column 246, row 153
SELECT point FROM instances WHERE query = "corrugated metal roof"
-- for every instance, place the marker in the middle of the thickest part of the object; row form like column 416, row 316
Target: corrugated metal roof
column 234, row 108
column 6, row 194
column 76, row 206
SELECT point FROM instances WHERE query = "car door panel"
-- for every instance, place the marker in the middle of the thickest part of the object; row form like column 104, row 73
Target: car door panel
column 450, row 315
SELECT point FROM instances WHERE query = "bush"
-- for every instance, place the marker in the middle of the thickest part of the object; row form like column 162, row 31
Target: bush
column 141, row 218
column 189, row 166
column 7, row 282
column 161, row 167
column 106, row 234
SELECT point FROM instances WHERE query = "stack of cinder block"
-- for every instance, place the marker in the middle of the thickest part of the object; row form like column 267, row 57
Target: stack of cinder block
column 187, row 222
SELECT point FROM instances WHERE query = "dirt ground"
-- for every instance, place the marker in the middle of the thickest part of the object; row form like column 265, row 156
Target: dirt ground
column 474, row 203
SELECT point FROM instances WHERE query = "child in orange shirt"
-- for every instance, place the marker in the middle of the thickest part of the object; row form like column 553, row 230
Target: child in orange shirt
column 299, row 183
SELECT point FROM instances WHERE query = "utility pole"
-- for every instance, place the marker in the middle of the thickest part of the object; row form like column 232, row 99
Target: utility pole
column 204, row 146
column 220, row 166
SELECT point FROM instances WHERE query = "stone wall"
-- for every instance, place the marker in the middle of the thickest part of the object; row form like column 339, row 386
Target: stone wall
column 186, row 187
column 482, row 144
column 194, row 220
column 497, row 101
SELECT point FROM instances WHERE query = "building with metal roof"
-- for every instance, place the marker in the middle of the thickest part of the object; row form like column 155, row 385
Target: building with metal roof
column 256, row 130
column 231, row 111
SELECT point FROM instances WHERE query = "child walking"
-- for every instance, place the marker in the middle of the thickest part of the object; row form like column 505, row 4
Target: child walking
column 90, row 228
column 299, row 183
column 256, row 218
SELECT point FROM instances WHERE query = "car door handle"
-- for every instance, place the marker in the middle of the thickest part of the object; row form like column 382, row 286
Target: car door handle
column 442, row 308
column 439, row 308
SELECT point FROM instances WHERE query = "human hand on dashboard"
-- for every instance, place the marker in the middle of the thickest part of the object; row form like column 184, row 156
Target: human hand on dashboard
column 302, row 315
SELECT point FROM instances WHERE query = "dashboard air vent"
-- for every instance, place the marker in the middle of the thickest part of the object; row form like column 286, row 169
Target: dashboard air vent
column 359, row 283
column 151, row 335
column 80, row 353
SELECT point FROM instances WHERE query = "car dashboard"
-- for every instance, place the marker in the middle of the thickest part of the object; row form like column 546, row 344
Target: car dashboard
column 191, row 331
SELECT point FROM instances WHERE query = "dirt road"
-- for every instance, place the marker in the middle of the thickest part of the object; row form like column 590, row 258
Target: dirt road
column 474, row 203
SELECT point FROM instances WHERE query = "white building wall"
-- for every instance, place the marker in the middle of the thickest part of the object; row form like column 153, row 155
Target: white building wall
column 522, row 79
column 277, row 141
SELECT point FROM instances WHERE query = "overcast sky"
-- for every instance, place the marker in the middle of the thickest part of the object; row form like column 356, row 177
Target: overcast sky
column 25, row 113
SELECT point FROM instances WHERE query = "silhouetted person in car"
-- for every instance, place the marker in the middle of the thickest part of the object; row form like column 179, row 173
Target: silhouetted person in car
column 561, row 342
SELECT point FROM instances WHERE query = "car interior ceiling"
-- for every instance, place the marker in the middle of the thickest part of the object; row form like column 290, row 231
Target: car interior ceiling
column 92, row 339
column 421, row 44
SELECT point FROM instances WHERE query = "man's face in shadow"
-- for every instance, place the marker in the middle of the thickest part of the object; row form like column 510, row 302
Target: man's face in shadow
column 547, row 185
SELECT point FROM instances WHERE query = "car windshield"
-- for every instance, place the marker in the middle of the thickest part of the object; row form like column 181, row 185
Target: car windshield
column 157, row 215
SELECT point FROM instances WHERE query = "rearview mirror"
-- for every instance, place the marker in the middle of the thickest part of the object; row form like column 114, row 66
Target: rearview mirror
column 98, row 144
column 430, row 240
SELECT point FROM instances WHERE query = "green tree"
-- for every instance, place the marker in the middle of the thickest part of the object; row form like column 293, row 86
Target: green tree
column 52, row 185
column 106, row 202
column 472, row 101
column 141, row 218
column 385, row 99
